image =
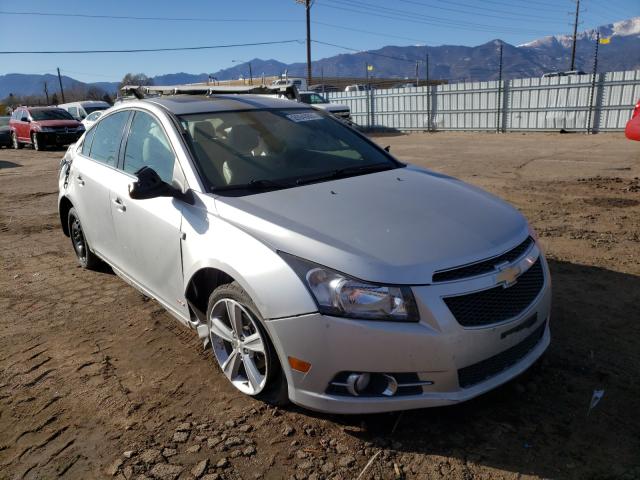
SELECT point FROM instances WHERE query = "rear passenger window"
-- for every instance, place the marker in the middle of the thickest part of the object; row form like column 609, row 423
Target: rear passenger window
column 148, row 146
column 107, row 138
column 86, row 143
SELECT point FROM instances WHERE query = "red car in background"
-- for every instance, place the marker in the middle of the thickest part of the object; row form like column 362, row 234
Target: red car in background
column 633, row 125
column 43, row 126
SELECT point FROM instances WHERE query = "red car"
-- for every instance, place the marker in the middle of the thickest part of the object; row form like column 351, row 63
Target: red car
column 633, row 125
column 43, row 126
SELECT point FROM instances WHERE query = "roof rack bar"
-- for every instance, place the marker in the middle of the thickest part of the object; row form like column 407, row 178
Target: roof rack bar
column 289, row 91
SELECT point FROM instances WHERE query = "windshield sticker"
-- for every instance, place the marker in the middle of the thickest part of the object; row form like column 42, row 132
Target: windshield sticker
column 304, row 117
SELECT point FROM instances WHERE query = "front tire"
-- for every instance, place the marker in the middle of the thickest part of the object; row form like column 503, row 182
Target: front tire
column 242, row 347
column 34, row 141
column 86, row 258
column 15, row 143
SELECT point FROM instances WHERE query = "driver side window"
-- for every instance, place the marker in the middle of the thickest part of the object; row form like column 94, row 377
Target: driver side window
column 148, row 146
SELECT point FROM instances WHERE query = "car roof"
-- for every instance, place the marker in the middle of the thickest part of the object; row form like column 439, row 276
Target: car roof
column 43, row 108
column 83, row 103
column 191, row 104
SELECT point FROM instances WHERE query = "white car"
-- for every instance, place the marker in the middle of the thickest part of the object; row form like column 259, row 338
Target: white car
column 80, row 110
column 92, row 118
column 319, row 102
column 300, row 83
column 356, row 88
column 315, row 266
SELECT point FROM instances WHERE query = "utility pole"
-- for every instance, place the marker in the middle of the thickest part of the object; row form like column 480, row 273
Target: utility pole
column 61, row 89
column 575, row 34
column 308, row 8
column 250, row 75
column 307, row 5
column 593, row 82
column 426, row 76
column 417, row 73
column 46, row 92
column 366, row 73
column 498, row 126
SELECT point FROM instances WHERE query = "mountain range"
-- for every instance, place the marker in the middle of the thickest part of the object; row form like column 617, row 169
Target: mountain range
column 447, row 62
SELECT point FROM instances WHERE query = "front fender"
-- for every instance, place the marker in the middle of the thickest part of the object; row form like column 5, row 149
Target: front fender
column 210, row 242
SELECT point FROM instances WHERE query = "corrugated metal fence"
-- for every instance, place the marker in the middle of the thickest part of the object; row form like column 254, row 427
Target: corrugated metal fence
column 584, row 103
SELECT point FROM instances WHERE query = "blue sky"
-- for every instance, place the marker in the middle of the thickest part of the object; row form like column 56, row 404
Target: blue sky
column 359, row 24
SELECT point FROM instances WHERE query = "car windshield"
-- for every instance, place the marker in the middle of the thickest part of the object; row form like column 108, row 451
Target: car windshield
column 95, row 108
column 4, row 121
column 271, row 149
column 50, row 114
column 312, row 98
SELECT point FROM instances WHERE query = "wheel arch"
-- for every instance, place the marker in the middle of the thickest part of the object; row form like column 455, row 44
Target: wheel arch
column 199, row 288
column 63, row 208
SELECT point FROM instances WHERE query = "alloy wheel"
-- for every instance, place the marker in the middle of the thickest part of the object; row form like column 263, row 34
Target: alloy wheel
column 238, row 346
column 14, row 140
column 77, row 237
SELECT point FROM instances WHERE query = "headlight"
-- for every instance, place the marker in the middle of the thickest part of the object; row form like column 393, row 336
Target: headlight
column 80, row 128
column 340, row 295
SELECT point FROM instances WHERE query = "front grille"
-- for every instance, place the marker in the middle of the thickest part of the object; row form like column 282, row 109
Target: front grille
column 484, row 266
column 497, row 304
column 481, row 371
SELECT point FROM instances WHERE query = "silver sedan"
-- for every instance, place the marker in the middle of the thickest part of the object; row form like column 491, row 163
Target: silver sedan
column 316, row 267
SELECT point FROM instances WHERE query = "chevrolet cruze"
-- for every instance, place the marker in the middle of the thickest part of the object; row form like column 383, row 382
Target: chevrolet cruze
column 315, row 266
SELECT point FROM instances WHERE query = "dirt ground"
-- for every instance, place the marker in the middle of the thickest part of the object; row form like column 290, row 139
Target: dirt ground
column 98, row 382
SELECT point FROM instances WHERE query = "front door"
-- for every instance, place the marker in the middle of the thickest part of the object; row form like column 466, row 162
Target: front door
column 149, row 231
column 23, row 126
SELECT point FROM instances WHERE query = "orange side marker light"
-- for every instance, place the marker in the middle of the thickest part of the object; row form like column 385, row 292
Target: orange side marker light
column 299, row 365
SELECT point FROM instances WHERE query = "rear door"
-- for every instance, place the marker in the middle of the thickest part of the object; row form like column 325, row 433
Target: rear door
column 149, row 231
column 93, row 171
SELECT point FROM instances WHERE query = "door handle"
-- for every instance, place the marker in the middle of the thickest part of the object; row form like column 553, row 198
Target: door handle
column 80, row 181
column 121, row 207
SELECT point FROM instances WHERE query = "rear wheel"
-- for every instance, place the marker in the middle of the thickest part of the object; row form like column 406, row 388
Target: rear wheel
column 86, row 257
column 14, row 141
column 242, row 347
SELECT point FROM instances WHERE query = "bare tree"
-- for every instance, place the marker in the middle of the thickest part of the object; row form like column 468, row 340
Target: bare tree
column 135, row 79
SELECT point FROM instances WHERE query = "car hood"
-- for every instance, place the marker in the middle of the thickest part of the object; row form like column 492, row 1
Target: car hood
column 57, row 123
column 396, row 226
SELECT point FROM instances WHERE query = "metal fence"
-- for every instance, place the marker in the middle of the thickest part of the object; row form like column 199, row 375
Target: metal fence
column 577, row 103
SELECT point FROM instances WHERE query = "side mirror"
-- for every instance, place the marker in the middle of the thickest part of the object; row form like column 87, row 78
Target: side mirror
column 150, row 185
column 387, row 148
column 25, row 119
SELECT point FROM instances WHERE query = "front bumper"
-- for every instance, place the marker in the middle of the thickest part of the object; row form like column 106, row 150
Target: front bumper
column 58, row 138
column 437, row 349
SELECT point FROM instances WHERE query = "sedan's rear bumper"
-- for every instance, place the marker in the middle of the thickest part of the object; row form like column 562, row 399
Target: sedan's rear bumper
column 452, row 363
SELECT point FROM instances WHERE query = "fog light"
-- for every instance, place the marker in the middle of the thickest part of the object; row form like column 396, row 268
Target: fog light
column 357, row 383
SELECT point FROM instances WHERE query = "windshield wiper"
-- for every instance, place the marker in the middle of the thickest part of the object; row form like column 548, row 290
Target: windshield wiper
column 345, row 172
column 262, row 184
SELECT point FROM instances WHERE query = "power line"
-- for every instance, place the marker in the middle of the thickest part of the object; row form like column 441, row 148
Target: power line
column 385, row 35
column 363, row 51
column 510, row 16
column 137, row 50
column 414, row 17
column 129, row 17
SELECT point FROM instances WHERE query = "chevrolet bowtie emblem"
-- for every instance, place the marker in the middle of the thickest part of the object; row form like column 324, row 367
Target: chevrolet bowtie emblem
column 507, row 275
